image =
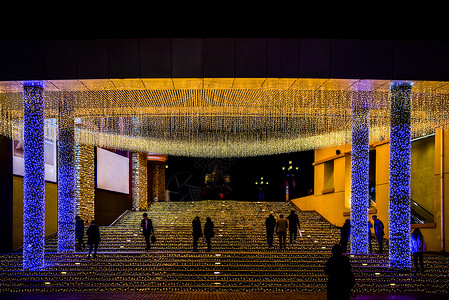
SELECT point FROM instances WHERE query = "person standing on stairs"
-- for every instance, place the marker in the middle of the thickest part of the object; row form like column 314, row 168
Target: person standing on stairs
column 281, row 231
column 147, row 230
column 209, row 232
column 79, row 233
column 270, row 224
column 344, row 235
column 379, row 232
column 293, row 226
column 340, row 276
column 93, row 238
column 418, row 247
column 196, row 232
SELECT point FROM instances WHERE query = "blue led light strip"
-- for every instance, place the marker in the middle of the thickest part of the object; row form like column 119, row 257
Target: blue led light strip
column 399, row 190
column 66, row 176
column 360, row 174
column 34, row 177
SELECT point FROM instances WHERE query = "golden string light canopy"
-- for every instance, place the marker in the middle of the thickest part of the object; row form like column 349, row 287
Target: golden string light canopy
column 219, row 117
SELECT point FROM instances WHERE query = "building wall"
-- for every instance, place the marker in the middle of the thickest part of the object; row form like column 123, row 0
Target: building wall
column 110, row 205
column 382, row 184
column 434, row 234
column 330, row 198
column 423, row 172
column 6, row 187
column 334, row 204
column 51, row 210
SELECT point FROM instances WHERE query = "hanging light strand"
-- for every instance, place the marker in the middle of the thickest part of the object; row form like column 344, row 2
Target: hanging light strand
column 237, row 117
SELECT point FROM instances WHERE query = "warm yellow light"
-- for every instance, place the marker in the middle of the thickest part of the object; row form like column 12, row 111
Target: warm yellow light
column 158, row 83
column 248, row 83
column 222, row 117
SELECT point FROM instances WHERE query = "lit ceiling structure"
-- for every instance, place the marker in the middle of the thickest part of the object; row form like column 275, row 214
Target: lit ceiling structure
column 222, row 117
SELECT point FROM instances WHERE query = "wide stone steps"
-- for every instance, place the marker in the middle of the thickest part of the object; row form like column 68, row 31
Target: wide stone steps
column 213, row 271
column 240, row 259
column 239, row 226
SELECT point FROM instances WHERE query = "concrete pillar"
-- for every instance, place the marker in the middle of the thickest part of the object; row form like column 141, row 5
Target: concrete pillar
column 399, row 181
column 66, row 175
column 360, row 173
column 34, row 176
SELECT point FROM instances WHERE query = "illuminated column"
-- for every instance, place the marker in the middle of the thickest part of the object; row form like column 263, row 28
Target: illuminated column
column 139, row 181
column 66, row 176
column 399, row 190
column 34, row 176
column 360, row 174
column 85, row 181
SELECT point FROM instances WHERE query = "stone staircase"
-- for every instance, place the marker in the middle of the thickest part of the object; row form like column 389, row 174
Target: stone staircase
column 239, row 226
column 240, row 259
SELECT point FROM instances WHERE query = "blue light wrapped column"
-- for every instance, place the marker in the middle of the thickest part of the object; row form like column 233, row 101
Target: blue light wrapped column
column 360, row 174
column 34, row 176
column 399, row 188
column 66, row 176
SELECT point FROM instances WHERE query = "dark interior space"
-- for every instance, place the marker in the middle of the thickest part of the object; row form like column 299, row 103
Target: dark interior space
column 186, row 177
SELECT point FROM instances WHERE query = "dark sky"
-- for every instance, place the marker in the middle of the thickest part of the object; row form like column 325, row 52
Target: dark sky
column 311, row 20
column 244, row 172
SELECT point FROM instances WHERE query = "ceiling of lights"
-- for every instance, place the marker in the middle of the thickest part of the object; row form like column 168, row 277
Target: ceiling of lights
column 225, row 116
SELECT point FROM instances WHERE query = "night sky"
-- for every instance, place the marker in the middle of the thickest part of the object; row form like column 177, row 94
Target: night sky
column 185, row 176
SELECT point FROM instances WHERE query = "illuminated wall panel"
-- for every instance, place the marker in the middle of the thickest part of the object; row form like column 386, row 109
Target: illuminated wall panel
column 360, row 174
column 34, row 177
column 66, row 176
column 399, row 188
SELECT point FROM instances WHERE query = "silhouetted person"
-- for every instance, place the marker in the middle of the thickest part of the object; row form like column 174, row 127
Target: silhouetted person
column 370, row 225
column 93, row 238
column 344, row 235
column 293, row 226
column 196, row 232
column 338, row 268
column 270, row 224
column 281, row 230
column 379, row 232
column 79, row 232
column 418, row 247
column 147, row 230
column 208, row 232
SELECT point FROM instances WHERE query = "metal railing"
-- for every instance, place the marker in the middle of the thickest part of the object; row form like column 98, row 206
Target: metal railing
column 420, row 215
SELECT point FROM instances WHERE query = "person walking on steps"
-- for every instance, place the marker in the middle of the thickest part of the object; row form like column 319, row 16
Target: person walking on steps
column 147, row 230
column 293, row 226
column 93, row 238
column 281, row 231
column 344, row 235
column 196, row 232
column 418, row 247
column 270, row 224
column 209, row 232
column 379, row 232
column 79, row 233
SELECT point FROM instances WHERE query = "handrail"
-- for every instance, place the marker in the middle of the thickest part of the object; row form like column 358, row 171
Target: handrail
column 121, row 216
column 419, row 214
